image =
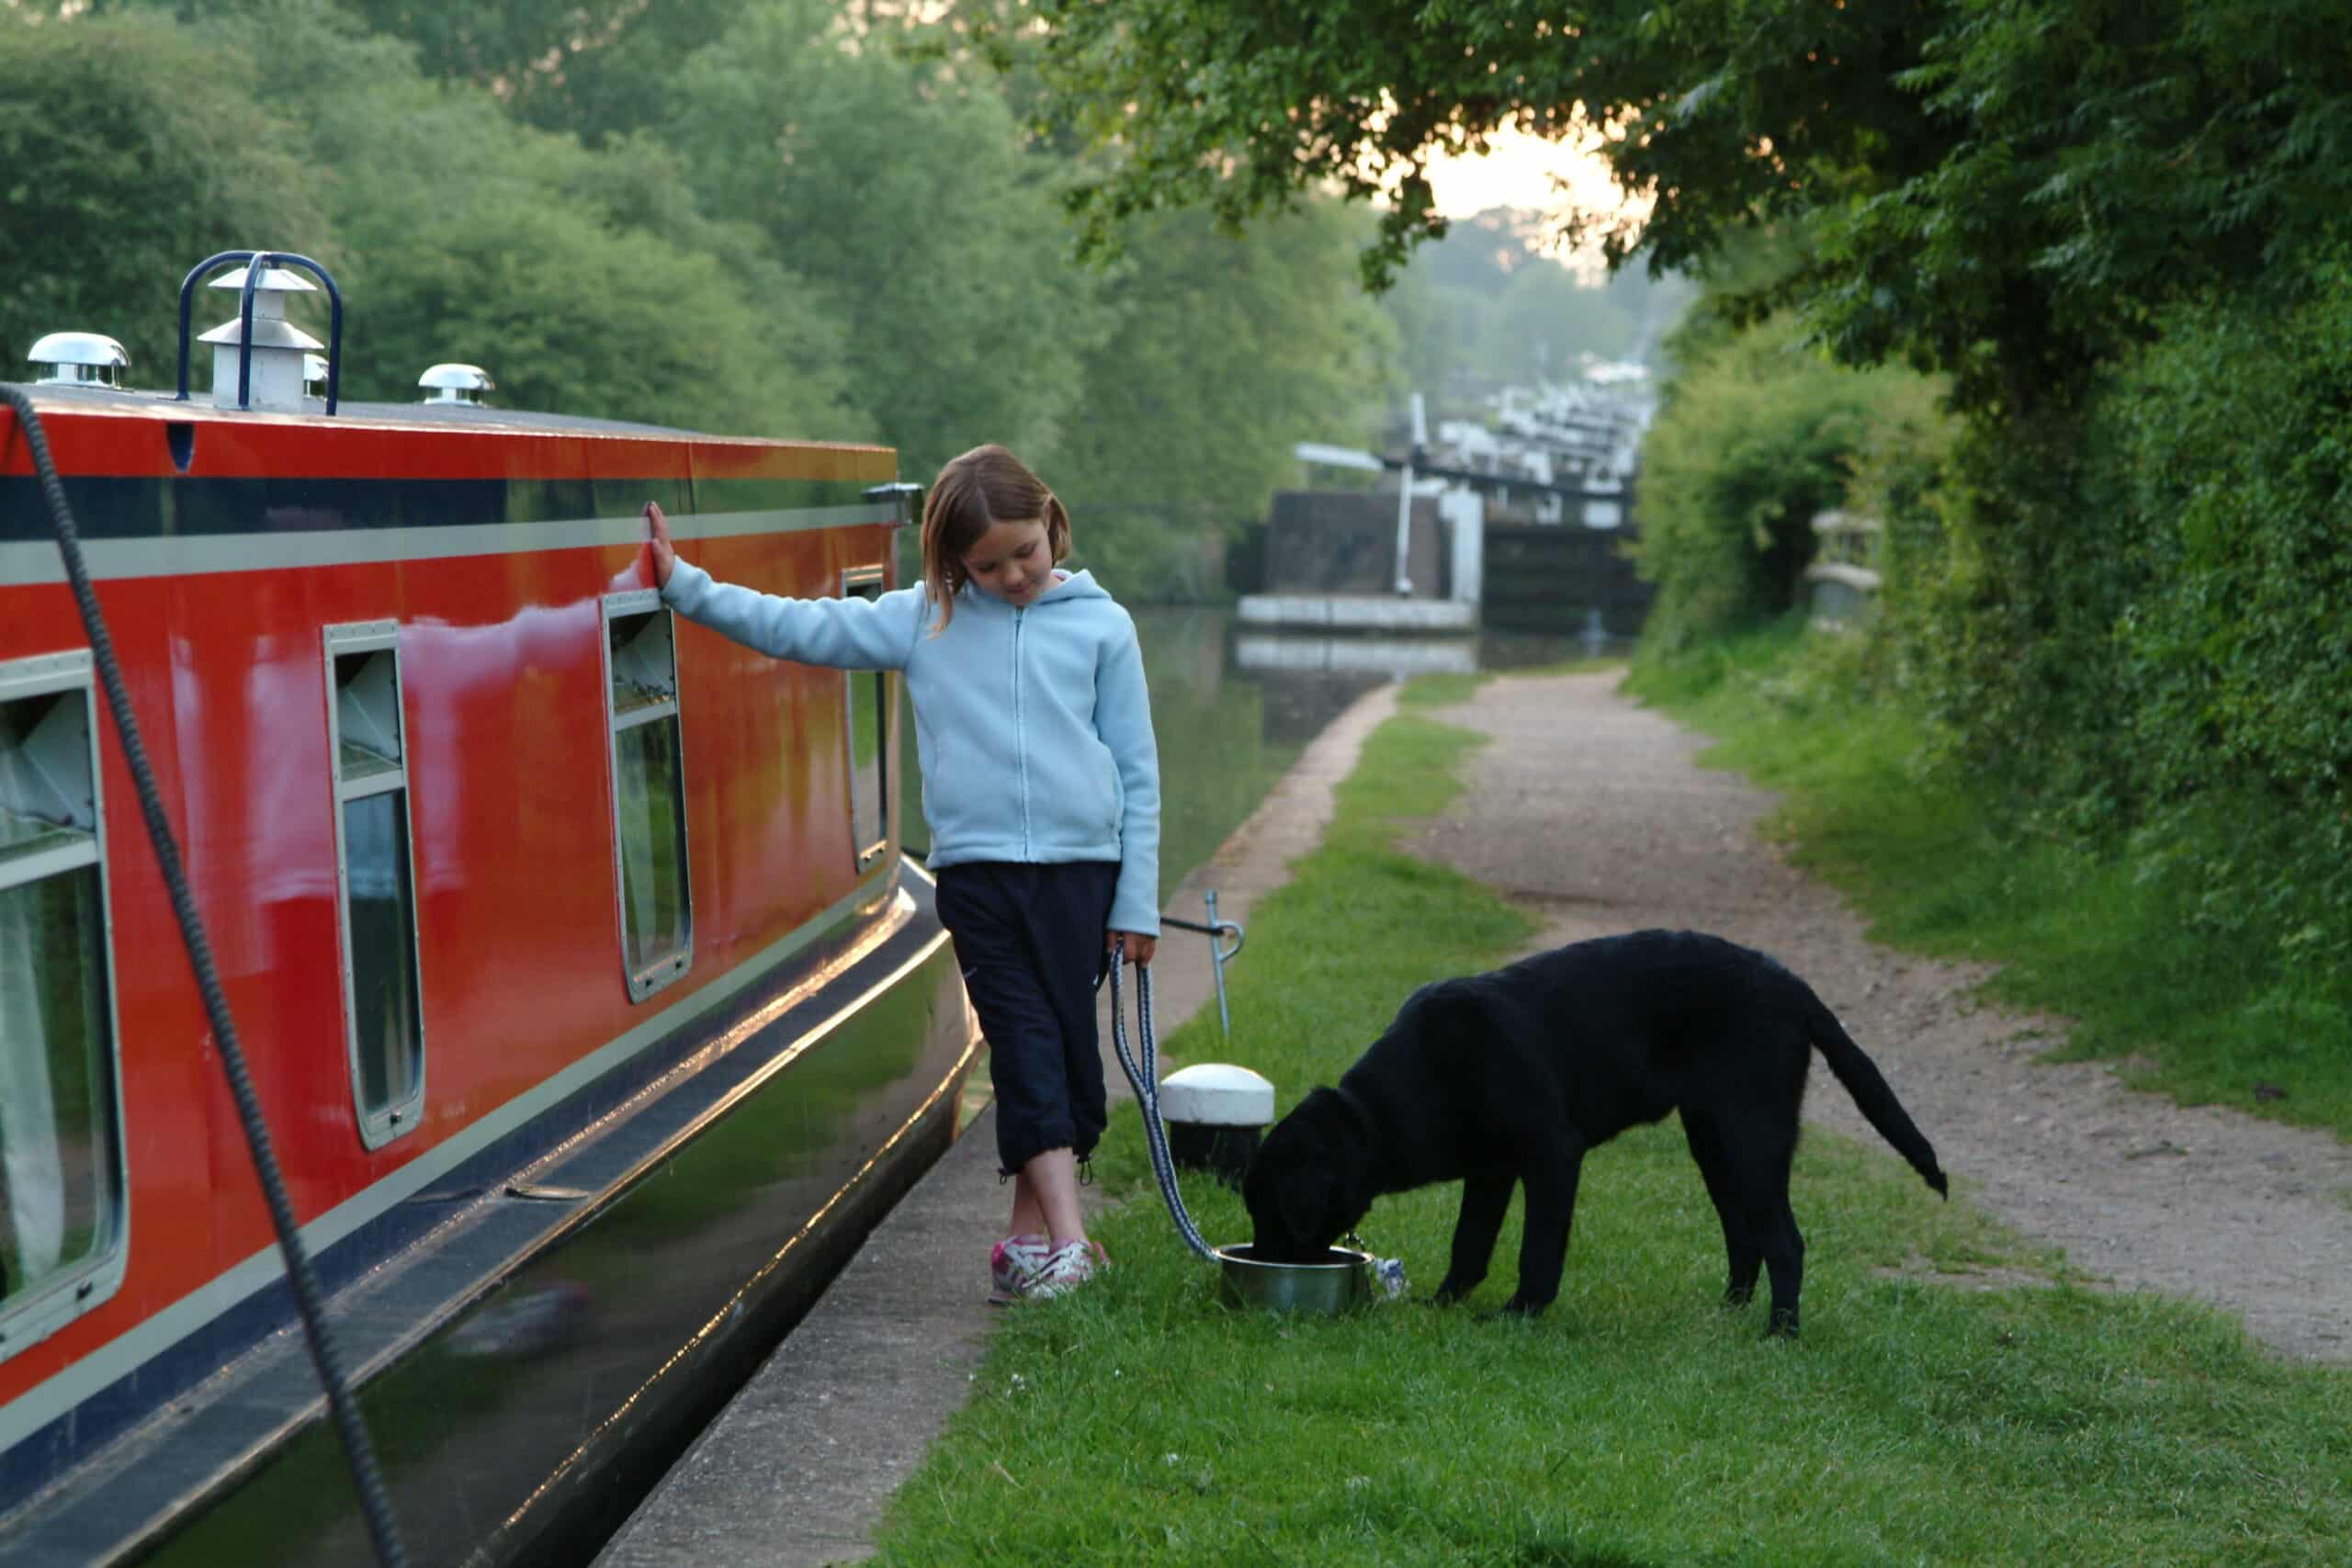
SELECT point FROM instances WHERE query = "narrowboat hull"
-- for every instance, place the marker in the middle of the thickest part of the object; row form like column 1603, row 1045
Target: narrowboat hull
column 534, row 1363
column 593, row 1012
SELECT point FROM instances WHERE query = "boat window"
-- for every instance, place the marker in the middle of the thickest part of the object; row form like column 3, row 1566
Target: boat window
column 649, row 791
column 63, row 1215
column 869, row 733
column 383, row 1015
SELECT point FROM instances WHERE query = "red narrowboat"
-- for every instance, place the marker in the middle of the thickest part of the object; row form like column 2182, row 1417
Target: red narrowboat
column 592, row 1008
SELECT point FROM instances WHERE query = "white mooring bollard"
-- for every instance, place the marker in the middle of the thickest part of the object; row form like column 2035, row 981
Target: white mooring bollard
column 1216, row 1114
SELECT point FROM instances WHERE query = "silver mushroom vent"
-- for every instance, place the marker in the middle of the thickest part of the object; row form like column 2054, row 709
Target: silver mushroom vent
column 90, row 359
column 278, row 347
column 455, row 384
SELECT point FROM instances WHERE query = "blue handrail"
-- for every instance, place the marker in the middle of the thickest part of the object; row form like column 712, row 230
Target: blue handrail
column 257, row 261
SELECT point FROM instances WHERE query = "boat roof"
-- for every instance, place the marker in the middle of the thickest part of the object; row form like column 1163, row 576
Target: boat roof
column 441, row 418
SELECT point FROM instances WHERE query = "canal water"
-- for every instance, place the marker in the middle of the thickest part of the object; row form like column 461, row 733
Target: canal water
column 1233, row 706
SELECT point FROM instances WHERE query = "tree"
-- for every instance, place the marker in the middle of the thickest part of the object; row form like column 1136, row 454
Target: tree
column 1545, row 321
column 584, row 282
column 2097, row 162
column 597, row 68
column 1219, row 358
column 898, row 189
column 1244, row 103
column 2001, row 188
column 1482, row 254
column 1437, row 328
column 1490, row 301
column 133, row 151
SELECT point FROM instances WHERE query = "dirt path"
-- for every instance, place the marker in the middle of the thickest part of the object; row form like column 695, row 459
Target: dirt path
column 1591, row 813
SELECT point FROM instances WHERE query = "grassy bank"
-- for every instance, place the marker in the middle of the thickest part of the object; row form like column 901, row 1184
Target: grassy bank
column 1637, row 1422
column 2197, row 992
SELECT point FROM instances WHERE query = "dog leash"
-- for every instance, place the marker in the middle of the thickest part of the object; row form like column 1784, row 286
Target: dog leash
column 1145, row 1077
column 1387, row 1273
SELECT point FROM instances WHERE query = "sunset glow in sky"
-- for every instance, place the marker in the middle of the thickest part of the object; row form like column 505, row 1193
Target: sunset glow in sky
column 1517, row 172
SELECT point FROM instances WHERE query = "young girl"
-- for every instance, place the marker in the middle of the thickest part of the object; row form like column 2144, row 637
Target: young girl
column 1041, row 783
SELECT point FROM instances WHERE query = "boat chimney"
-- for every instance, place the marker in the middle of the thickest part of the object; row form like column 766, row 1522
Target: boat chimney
column 279, row 345
column 456, row 384
column 86, row 360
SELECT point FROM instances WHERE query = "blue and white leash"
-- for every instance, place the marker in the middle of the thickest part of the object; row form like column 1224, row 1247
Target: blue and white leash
column 1145, row 1077
column 1389, row 1273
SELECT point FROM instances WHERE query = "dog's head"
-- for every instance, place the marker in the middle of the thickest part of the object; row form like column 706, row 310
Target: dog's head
column 1307, row 1187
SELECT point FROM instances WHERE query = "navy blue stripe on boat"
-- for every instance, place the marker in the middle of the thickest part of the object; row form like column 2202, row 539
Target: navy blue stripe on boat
column 110, row 507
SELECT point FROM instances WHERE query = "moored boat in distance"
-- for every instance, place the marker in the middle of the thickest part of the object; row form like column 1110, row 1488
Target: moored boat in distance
column 593, row 1011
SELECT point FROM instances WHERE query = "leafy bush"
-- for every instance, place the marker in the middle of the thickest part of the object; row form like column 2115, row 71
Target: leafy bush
column 2008, row 586
column 2127, row 621
column 2235, row 437
column 1759, row 434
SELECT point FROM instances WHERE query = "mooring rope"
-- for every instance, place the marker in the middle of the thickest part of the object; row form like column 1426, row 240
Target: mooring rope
column 1145, row 1077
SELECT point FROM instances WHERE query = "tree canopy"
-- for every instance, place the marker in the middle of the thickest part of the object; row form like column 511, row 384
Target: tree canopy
column 1998, row 188
column 899, row 193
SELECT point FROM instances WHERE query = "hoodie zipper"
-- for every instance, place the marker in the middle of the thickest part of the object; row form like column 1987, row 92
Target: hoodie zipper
column 1020, row 732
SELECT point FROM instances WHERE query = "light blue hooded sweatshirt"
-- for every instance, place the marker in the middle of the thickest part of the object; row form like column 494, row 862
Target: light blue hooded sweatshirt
column 1033, row 724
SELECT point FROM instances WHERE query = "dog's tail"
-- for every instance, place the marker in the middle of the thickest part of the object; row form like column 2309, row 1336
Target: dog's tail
column 1871, row 1093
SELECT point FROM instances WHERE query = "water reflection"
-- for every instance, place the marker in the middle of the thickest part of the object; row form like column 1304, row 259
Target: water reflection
column 1391, row 659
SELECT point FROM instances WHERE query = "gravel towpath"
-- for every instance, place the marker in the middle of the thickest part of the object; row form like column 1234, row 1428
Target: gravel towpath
column 1592, row 814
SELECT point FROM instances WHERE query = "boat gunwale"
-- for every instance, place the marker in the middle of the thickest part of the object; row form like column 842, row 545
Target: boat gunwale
column 790, row 1019
column 778, row 994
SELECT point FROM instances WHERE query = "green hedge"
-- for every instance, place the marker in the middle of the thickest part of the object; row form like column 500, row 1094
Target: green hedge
column 2132, row 621
column 2235, row 438
column 1759, row 433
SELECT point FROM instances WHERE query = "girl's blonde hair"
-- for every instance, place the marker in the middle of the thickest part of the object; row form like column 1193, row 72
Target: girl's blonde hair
column 985, row 486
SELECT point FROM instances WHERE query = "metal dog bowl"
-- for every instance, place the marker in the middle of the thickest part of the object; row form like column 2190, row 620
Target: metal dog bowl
column 1341, row 1282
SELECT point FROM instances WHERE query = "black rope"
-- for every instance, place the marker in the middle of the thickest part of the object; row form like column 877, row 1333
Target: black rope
column 373, row 1500
column 1220, row 929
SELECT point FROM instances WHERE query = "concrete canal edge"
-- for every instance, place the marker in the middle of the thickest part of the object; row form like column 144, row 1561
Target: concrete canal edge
column 795, row 1472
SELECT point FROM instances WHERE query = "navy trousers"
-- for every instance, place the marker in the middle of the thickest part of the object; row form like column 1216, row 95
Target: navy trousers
column 1030, row 941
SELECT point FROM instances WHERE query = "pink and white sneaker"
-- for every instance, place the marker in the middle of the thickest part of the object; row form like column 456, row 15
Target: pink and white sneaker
column 1067, row 1266
column 1016, row 1264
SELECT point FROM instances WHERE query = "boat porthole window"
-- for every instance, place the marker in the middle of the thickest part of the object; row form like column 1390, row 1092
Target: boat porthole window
column 64, row 1219
column 376, row 878
column 649, row 791
column 869, row 698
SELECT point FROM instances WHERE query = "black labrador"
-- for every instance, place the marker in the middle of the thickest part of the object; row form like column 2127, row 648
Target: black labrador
column 1510, row 1076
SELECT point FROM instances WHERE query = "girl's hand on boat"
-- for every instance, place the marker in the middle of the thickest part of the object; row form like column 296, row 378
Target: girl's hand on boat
column 1132, row 947
column 658, row 543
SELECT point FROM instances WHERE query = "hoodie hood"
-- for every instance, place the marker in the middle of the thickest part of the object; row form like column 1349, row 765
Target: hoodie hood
column 1077, row 585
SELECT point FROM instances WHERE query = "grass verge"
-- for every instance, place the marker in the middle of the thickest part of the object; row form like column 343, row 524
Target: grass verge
column 1638, row 1423
column 2130, row 956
